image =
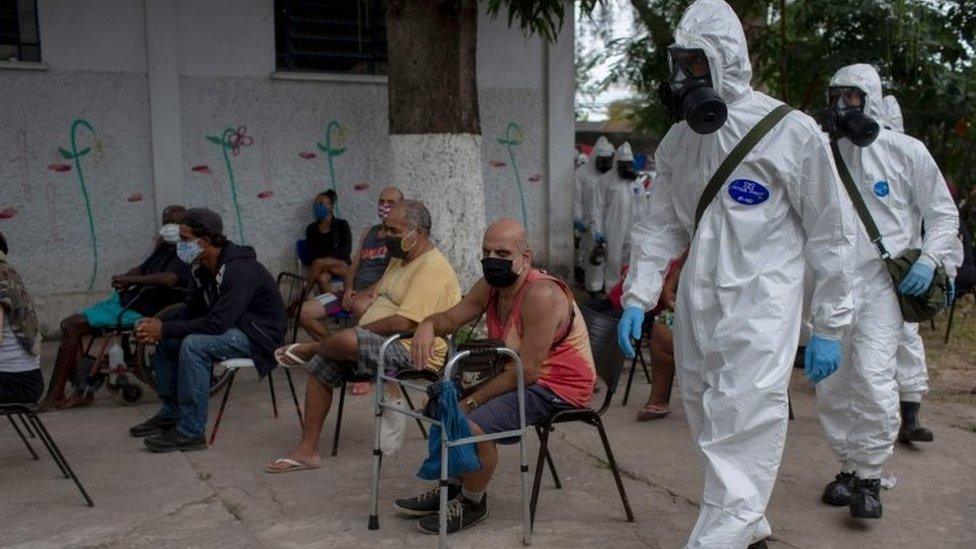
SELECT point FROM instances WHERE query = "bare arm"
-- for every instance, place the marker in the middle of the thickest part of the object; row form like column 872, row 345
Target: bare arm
column 351, row 272
column 165, row 279
column 442, row 324
column 544, row 310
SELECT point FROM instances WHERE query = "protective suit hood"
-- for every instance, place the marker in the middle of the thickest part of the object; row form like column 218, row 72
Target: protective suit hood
column 603, row 147
column 893, row 117
column 624, row 153
column 712, row 26
column 865, row 78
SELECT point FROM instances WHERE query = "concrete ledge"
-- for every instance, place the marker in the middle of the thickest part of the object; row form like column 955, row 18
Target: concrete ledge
column 24, row 65
column 380, row 79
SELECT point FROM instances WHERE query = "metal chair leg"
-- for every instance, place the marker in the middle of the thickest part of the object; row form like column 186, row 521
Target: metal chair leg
column 223, row 403
column 50, row 451
column 630, row 376
column 647, row 374
column 539, row 463
column 23, row 438
column 789, row 404
column 274, row 398
column 549, row 462
column 56, row 454
column 27, row 427
column 423, row 429
column 294, row 397
column 613, row 467
column 338, row 427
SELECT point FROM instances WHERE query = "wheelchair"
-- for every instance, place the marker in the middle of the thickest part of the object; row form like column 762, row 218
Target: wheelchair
column 137, row 360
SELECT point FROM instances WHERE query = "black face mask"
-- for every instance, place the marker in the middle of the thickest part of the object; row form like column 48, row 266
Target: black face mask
column 604, row 163
column 394, row 247
column 850, row 122
column 498, row 272
column 625, row 169
column 693, row 100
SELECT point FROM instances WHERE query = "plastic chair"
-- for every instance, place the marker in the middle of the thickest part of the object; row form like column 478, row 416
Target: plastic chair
column 609, row 362
column 301, row 252
column 28, row 417
column 382, row 407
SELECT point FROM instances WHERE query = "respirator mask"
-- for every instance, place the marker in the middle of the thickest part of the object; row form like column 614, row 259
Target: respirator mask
column 688, row 95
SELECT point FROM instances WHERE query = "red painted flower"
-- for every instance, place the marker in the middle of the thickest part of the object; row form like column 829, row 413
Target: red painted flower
column 266, row 194
column 137, row 197
column 8, row 213
column 307, row 155
column 59, row 167
column 535, row 178
column 497, row 164
column 361, row 186
column 201, row 168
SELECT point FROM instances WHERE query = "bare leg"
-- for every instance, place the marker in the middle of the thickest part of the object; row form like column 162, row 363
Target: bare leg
column 360, row 303
column 341, row 346
column 312, row 319
column 662, row 364
column 488, row 454
column 73, row 329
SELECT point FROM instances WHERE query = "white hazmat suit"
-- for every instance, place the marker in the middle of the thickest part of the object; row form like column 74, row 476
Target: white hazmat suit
column 739, row 304
column 901, row 185
column 893, row 119
column 618, row 200
column 585, row 207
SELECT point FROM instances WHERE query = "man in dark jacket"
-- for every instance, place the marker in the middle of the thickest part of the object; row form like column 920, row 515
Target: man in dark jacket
column 234, row 310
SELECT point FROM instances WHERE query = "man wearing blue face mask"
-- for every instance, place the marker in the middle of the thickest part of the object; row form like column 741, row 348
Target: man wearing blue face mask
column 143, row 290
column 233, row 311
column 329, row 243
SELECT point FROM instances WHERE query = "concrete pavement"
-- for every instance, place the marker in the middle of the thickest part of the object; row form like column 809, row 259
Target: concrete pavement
column 222, row 497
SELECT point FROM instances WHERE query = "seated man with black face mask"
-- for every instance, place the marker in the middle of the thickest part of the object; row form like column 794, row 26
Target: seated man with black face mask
column 536, row 316
column 418, row 282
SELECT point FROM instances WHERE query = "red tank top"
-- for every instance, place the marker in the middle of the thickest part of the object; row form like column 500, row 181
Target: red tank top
column 568, row 371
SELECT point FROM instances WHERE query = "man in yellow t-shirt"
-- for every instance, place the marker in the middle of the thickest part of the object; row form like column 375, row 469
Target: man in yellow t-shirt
column 417, row 283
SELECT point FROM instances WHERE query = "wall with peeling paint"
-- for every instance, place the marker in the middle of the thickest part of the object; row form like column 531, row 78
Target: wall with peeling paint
column 230, row 101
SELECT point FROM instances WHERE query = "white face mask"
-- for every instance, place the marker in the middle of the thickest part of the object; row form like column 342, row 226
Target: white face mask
column 170, row 232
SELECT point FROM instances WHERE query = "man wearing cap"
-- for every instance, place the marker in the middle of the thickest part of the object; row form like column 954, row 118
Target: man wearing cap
column 233, row 310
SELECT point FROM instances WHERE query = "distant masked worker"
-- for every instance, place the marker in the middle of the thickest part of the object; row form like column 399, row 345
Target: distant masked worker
column 753, row 213
column 893, row 118
column 901, row 188
column 621, row 195
column 585, row 195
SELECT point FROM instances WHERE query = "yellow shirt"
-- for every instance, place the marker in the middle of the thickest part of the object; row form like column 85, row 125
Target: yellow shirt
column 416, row 290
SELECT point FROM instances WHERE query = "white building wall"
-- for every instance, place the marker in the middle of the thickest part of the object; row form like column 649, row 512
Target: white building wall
column 96, row 54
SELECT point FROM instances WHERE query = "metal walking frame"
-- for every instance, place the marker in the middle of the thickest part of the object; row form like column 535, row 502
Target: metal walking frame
column 380, row 406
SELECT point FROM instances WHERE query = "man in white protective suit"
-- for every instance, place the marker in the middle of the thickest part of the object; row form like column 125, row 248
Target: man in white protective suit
column 911, row 372
column 620, row 196
column 585, row 195
column 901, row 187
column 739, row 296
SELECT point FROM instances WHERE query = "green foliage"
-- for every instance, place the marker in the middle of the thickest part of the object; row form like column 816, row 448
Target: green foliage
column 924, row 49
column 539, row 17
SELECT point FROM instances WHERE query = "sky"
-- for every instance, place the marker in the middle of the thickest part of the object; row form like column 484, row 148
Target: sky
column 620, row 18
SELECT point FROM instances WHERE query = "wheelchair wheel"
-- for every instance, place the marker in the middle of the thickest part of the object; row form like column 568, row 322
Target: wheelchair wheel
column 131, row 393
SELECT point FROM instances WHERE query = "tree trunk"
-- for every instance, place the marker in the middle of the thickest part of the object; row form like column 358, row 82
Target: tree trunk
column 435, row 133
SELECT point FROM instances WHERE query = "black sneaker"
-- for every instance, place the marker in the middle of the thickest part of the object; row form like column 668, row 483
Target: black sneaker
column 173, row 440
column 866, row 500
column 461, row 514
column 154, row 426
column 426, row 503
column 840, row 490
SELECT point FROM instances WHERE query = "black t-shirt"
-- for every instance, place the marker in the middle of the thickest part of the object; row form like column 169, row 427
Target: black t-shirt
column 336, row 243
column 154, row 299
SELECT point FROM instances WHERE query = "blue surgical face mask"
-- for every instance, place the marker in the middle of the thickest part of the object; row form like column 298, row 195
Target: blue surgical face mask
column 188, row 251
column 320, row 210
column 170, row 233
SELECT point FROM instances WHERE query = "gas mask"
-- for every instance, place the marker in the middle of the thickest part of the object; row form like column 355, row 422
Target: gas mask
column 604, row 163
column 845, row 117
column 688, row 95
column 625, row 169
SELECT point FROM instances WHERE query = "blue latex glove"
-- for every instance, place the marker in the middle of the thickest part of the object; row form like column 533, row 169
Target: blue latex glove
column 579, row 226
column 918, row 279
column 821, row 358
column 951, row 294
column 599, row 238
column 629, row 328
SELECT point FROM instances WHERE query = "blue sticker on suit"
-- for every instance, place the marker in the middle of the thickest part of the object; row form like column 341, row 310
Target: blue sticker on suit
column 748, row 192
column 881, row 189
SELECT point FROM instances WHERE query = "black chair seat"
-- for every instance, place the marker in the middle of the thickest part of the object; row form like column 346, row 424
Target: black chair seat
column 575, row 414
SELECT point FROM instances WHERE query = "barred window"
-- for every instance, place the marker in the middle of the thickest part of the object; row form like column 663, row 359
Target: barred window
column 336, row 36
column 19, row 39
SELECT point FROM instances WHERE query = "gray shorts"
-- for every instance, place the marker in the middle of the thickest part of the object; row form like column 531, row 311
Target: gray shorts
column 501, row 413
column 332, row 373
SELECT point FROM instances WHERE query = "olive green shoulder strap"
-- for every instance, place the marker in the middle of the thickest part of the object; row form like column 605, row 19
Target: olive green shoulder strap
column 859, row 206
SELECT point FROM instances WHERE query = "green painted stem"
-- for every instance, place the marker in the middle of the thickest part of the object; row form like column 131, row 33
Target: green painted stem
column 329, row 153
column 228, row 133
column 510, row 143
column 84, row 192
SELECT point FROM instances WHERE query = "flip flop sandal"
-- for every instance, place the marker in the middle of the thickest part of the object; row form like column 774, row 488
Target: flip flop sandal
column 295, row 359
column 293, row 465
column 653, row 411
column 360, row 389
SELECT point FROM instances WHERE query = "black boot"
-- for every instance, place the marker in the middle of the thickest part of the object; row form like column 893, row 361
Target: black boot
column 840, row 490
column 911, row 430
column 866, row 501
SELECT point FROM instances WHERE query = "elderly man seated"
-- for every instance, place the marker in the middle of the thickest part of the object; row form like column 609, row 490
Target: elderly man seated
column 145, row 289
column 417, row 283
column 536, row 316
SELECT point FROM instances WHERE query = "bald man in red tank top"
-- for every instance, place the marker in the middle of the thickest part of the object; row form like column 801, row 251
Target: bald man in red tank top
column 536, row 316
